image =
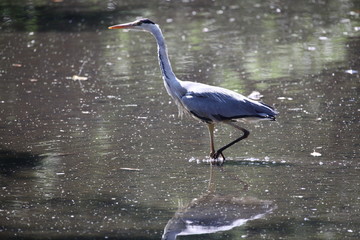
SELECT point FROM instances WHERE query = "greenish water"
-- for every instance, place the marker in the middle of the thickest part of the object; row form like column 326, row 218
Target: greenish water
column 91, row 146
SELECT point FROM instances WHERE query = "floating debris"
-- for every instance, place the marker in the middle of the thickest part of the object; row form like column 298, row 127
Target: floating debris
column 295, row 109
column 129, row 105
column 131, row 169
column 205, row 30
column 192, row 159
column 113, row 97
column 298, row 196
column 315, row 154
column 350, row 71
column 255, row 95
column 79, row 78
column 311, row 48
column 285, row 98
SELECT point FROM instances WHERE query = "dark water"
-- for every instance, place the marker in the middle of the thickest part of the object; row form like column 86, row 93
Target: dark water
column 91, row 146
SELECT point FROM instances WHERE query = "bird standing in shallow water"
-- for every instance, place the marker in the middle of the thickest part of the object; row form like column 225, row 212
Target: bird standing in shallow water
column 207, row 103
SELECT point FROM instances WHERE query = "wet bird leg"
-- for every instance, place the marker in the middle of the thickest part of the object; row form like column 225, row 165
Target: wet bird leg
column 211, row 127
column 246, row 134
column 211, row 134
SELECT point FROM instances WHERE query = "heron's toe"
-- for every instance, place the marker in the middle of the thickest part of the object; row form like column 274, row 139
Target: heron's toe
column 216, row 155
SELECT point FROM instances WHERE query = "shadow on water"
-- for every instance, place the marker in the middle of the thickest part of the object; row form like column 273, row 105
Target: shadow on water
column 11, row 160
column 213, row 212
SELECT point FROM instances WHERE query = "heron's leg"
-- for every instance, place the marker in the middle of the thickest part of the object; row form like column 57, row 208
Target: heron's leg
column 211, row 127
column 246, row 134
column 213, row 154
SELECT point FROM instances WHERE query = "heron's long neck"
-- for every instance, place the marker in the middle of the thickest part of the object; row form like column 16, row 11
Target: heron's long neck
column 172, row 84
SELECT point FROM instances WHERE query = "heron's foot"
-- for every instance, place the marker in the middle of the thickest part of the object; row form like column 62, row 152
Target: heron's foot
column 217, row 154
column 215, row 157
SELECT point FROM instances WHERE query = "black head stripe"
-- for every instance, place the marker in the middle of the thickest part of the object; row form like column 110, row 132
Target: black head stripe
column 148, row 21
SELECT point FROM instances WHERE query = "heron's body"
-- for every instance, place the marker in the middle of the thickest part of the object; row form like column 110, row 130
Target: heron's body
column 209, row 104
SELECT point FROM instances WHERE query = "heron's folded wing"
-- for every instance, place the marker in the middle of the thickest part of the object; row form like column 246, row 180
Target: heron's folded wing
column 219, row 106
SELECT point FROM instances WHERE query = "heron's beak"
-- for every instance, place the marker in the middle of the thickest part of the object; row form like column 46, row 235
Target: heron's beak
column 123, row 26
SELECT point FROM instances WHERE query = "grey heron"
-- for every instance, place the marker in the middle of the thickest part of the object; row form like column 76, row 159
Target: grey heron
column 209, row 104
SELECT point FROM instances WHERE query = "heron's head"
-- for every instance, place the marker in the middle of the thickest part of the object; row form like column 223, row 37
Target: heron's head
column 141, row 24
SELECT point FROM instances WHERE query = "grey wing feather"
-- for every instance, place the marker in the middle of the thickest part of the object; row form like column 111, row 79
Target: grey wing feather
column 211, row 104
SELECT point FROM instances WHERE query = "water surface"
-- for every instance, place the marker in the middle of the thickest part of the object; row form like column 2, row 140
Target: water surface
column 91, row 145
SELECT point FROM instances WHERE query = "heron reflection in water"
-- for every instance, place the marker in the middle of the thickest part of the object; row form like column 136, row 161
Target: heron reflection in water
column 213, row 212
column 209, row 104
